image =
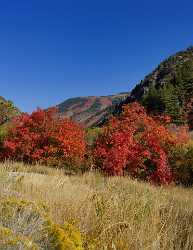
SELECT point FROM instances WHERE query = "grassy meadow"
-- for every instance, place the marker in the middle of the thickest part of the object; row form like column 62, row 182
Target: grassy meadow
column 114, row 213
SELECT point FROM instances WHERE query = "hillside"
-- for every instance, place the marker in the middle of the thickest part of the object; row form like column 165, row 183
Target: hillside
column 90, row 110
column 7, row 110
column 168, row 89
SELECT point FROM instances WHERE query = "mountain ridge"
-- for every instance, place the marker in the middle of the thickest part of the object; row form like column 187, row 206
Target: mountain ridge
column 167, row 89
column 89, row 110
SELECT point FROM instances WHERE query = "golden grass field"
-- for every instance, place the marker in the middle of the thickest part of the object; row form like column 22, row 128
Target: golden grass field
column 114, row 213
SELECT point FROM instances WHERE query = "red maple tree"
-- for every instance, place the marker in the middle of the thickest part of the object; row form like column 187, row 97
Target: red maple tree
column 42, row 137
column 136, row 144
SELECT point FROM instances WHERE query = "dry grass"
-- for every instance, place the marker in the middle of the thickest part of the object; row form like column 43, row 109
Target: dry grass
column 112, row 213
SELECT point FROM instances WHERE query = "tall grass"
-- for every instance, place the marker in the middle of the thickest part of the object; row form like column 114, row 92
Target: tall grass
column 112, row 213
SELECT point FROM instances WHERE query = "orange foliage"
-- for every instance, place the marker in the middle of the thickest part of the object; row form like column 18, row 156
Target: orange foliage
column 42, row 137
column 137, row 144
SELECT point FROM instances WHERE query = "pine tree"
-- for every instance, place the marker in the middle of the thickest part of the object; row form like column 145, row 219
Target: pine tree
column 171, row 102
column 185, row 79
column 153, row 101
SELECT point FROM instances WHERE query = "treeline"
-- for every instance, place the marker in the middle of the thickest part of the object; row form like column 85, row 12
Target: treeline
column 173, row 98
column 168, row 89
column 134, row 144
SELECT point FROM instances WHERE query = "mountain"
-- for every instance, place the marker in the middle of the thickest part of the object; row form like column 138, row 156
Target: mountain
column 168, row 89
column 89, row 111
column 7, row 110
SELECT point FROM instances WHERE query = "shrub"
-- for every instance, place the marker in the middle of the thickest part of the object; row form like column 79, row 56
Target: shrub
column 181, row 162
column 7, row 111
column 25, row 220
column 43, row 137
column 137, row 144
column 65, row 238
column 3, row 133
column 11, row 241
column 92, row 134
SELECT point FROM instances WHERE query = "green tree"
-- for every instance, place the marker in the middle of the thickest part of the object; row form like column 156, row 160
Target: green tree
column 7, row 111
column 171, row 102
column 153, row 101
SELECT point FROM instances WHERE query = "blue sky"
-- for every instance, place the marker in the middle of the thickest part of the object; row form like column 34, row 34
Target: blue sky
column 53, row 50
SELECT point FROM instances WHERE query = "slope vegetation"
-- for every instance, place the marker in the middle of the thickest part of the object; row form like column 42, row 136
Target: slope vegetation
column 7, row 110
column 168, row 89
column 90, row 110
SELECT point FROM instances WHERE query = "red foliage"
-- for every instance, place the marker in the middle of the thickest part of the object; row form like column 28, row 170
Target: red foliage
column 137, row 144
column 41, row 137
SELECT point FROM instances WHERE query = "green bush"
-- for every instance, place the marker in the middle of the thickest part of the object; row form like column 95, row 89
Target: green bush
column 92, row 134
column 181, row 162
column 3, row 133
column 25, row 220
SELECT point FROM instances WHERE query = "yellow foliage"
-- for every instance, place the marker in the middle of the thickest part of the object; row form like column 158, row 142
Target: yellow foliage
column 65, row 238
column 8, row 240
column 29, row 221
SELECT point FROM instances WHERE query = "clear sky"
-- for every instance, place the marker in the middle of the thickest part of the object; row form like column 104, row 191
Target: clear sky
column 51, row 50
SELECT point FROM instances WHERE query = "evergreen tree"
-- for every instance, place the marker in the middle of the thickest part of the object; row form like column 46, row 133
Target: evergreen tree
column 171, row 102
column 153, row 101
column 185, row 86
